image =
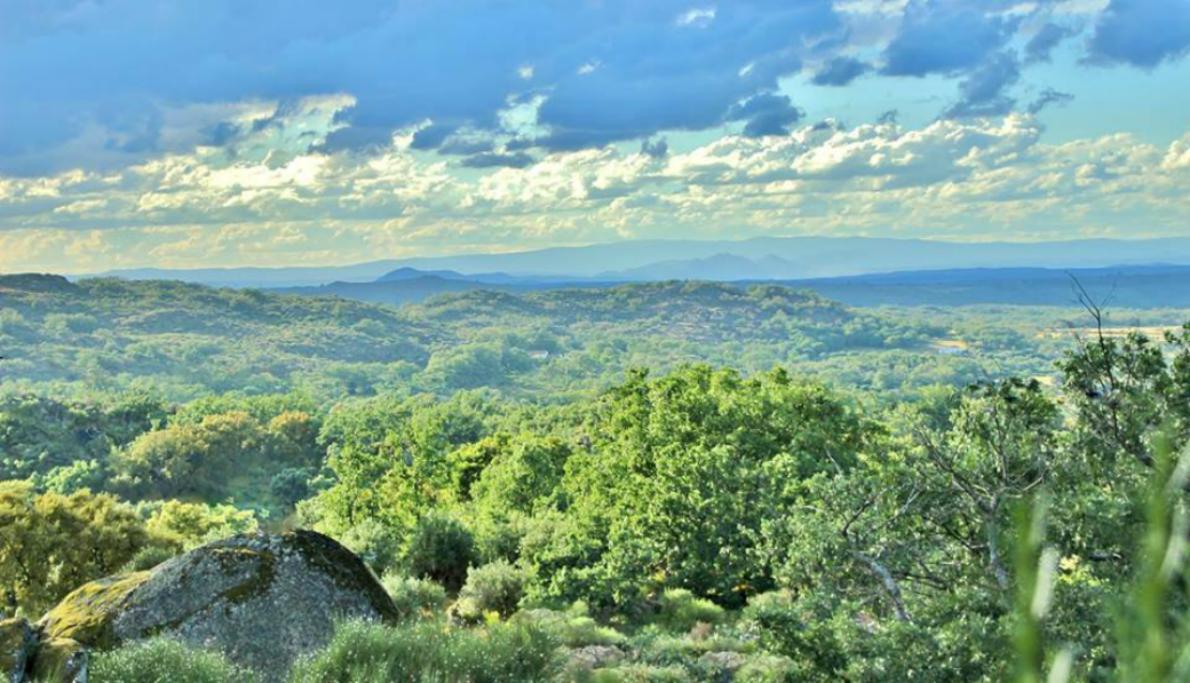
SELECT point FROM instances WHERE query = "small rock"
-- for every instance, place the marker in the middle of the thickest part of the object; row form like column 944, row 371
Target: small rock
column 60, row 660
column 18, row 640
column 594, row 657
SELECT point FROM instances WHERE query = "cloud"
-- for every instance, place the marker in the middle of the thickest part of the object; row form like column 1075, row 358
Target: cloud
column 980, row 177
column 840, row 71
column 982, row 91
column 944, row 36
column 1044, row 41
column 1049, row 97
column 766, row 114
column 492, row 159
column 699, row 17
column 95, row 86
column 1142, row 33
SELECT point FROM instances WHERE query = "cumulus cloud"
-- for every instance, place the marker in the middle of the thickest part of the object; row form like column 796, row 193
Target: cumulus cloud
column 950, row 177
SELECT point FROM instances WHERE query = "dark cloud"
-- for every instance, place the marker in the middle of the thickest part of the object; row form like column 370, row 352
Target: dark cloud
column 1043, row 42
column 766, row 114
column 1049, row 97
column 840, row 71
column 982, row 92
column 1142, row 33
column 491, row 159
column 402, row 62
column 465, row 146
column 657, row 149
column 946, row 37
column 432, row 136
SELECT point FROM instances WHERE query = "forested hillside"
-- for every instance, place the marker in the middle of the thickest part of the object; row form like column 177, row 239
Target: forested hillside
column 180, row 342
column 793, row 490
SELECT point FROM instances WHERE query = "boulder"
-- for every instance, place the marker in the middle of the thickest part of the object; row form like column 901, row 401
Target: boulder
column 18, row 640
column 262, row 600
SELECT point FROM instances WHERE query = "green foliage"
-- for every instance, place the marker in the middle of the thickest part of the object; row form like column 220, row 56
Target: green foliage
column 679, row 610
column 147, row 558
column 375, row 543
column 494, row 587
column 426, row 652
column 414, row 597
column 440, row 549
column 51, row 543
column 187, row 525
column 159, row 660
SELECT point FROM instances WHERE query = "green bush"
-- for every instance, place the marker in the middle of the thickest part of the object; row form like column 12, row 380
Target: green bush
column 495, row 587
column 573, row 627
column 680, row 610
column 441, row 549
column 638, row 673
column 376, row 544
column 766, row 669
column 148, row 557
column 424, row 651
column 414, row 597
column 161, row 660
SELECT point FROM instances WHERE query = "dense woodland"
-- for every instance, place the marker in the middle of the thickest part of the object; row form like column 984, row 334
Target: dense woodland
column 699, row 478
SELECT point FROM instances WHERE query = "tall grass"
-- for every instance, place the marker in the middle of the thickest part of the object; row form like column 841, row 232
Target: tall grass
column 1152, row 633
column 161, row 660
column 431, row 652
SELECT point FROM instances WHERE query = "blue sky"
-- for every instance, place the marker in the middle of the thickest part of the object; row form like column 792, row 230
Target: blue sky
column 230, row 132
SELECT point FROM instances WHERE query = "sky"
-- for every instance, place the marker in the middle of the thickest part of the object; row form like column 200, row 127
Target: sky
column 303, row 132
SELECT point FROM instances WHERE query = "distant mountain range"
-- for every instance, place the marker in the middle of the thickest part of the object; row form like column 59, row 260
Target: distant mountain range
column 1158, row 286
column 768, row 258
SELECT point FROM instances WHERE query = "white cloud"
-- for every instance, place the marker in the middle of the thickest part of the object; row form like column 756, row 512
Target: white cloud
column 699, row 17
column 977, row 179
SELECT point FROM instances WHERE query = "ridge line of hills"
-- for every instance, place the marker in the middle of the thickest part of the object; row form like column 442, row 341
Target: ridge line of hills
column 772, row 258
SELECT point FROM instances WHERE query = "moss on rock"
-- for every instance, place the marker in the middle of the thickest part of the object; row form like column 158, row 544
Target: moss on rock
column 86, row 614
column 262, row 600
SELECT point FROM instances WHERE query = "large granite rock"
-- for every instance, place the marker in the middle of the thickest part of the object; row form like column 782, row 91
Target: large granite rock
column 262, row 600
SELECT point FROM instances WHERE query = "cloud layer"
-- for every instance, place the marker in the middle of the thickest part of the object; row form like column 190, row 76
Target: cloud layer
column 217, row 132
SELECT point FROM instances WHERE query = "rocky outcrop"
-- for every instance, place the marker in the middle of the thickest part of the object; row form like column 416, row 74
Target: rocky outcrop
column 262, row 600
column 18, row 641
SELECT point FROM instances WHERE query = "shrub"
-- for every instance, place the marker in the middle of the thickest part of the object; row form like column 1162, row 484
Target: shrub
column 376, row 544
column 425, row 651
column 414, row 597
column 680, row 610
column 573, row 627
column 161, row 659
column 148, row 557
column 441, row 549
column 766, row 669
column 496, row 587
column 638, row 673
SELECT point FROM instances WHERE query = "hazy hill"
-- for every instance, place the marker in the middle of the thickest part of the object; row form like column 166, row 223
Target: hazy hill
column 1123, row 286
column 1116, row 287
column 767, row 257
column 183, row 339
